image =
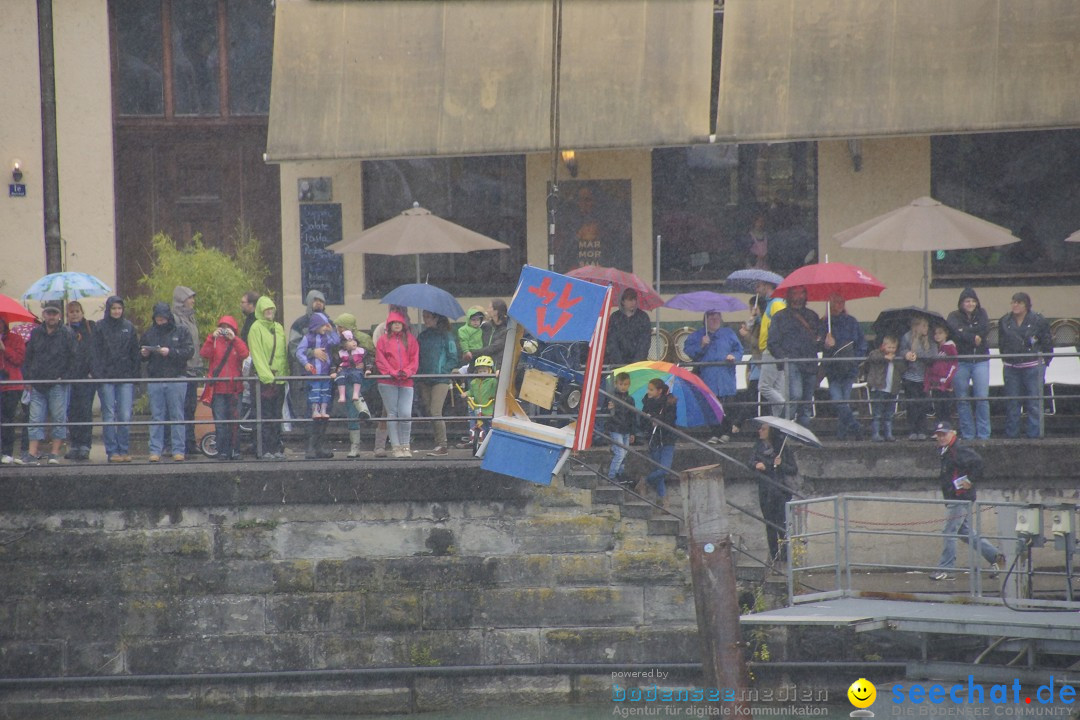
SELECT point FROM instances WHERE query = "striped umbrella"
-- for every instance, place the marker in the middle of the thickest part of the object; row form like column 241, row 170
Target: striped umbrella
column 697, row 404
column 66, row 286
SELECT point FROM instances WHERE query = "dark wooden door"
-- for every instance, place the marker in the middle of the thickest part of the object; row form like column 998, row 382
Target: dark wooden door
column 187, row 180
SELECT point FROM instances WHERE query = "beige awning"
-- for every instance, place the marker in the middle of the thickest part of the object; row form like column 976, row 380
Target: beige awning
column 396, row 78
column 809, row 69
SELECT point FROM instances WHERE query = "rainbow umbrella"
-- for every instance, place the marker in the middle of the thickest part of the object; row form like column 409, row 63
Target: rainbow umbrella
column 697, row 404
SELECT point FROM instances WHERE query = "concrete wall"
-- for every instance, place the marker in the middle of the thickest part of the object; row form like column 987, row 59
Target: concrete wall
column 84, row 138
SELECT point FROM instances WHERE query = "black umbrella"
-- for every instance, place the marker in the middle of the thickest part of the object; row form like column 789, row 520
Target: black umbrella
column 898, row 320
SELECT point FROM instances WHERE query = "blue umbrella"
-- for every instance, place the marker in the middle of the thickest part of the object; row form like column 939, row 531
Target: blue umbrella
column 67, row 285
column 747, row 280
column 706, row 301
column 426, row 297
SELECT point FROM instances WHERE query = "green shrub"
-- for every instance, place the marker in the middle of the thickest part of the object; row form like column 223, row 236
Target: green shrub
column 217, row 279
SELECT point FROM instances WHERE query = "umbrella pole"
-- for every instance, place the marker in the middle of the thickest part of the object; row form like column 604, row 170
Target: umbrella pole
column 926, row 280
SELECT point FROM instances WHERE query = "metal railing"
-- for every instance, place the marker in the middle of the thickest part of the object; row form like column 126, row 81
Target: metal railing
column 823, row 542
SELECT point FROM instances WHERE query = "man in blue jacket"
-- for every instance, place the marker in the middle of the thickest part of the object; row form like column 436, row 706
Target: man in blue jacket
column 166, row 348
column 845, row 347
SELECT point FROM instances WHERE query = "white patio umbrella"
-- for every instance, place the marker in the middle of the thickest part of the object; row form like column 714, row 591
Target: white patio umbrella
column 1075, row 237
column 415, row 232
column 925, row 225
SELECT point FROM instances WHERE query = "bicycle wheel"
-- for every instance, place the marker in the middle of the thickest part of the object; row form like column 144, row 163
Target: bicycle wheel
column 208, row 445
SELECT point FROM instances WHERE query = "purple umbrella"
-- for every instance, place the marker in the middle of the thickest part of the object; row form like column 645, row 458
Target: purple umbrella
column 705, row 301
column 747, row 280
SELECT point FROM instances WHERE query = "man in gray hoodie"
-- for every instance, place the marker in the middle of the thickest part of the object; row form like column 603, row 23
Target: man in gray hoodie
column 183, row 310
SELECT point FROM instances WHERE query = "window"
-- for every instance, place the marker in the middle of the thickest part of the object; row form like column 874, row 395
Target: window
column 484, row 194
column 1025, row 181
column 719, row 208
column 192, row 58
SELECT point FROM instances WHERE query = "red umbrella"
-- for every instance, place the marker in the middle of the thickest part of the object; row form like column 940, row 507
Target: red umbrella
column 821, row 280
column 12, row 311
column 619, row 280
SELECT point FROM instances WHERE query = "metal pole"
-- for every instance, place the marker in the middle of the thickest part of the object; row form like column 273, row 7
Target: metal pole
column 658, row 287
column 50, row 183
column 715, row 597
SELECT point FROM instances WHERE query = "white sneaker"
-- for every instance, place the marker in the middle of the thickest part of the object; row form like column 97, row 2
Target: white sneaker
column 941, row 575
column 6, row 460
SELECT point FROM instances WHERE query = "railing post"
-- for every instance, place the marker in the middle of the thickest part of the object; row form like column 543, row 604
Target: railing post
column 712, row 568
column 258, row 421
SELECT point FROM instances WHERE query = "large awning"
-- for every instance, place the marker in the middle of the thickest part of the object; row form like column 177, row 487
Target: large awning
column 402, row 78
column 809, row 69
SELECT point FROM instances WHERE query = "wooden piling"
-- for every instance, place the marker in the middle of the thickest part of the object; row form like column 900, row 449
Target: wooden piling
column 712, row 568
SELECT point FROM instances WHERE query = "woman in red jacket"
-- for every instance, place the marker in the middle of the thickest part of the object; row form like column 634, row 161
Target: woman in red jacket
column 397, row 355
column 12, row 349
column 225, row 353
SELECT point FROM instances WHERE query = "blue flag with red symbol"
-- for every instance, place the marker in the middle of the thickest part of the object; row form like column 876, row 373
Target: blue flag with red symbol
column 556, row 308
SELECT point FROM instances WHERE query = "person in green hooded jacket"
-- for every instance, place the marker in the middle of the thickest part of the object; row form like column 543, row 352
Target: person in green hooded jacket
column 269, row 358
column 470, row 336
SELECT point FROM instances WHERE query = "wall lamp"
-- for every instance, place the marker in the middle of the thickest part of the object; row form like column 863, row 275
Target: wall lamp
column 569, row 158
column 16, row 170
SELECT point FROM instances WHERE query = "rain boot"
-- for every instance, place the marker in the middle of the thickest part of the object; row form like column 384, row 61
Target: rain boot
column 312, row 452
column 888, row 431
column 380, row 440
column 361, row 408
column 320, row 448
column 354, row 444
column 875, row 431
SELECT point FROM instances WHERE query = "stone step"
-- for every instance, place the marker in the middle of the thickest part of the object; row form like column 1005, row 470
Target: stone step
column 608, row 495
column 640, row 510
column 582, row 478
column 664, row 526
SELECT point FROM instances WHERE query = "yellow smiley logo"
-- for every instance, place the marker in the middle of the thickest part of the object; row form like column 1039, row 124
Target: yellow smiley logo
column 862, row 693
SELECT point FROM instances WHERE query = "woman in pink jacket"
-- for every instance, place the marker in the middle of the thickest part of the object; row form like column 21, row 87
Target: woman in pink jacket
column 397, row 355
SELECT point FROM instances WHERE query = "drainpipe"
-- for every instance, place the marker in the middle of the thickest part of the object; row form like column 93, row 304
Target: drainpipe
column 50, row 182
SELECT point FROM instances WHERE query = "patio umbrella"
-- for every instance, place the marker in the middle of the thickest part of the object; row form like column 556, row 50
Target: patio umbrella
column 923, row 226
column 416, row 232
column 620, row 280
column 790, row 429
column 747, row 280
column 12, row 312
column 1075, row 237
column 426, row 297
column 697, row 404
column 706, row 301
column 65, row 286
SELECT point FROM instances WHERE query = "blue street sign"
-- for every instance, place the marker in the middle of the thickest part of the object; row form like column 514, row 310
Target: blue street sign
column 17, row 190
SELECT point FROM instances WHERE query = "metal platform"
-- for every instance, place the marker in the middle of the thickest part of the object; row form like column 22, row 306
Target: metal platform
column 951, row 618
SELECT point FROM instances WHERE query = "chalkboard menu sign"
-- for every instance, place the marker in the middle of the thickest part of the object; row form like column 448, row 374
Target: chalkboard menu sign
column 321, row 269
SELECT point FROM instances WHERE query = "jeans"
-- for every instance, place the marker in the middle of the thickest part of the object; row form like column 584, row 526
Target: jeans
column 772, row 501
column 917, row 406
column 432, row 399
column 9, row 410
column 956, row 523
column 977, row 374
column 802, row 381
column 116, row 400
column 773, row 385
column 616, row 467
column 167, row 403
column 81, row 410
column 53, row 403
column 664, row 455
column 398, row 403
column 840, row 394
column 1027, row 384
column 882, row 408
column 271, row 399
column 225, row 407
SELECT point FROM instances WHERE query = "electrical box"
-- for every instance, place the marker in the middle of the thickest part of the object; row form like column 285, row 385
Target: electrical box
column 1062, row 519
column 1029, row 521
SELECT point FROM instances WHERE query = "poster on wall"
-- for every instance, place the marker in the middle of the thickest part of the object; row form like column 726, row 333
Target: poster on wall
column 321, row 269
column 593, row 225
